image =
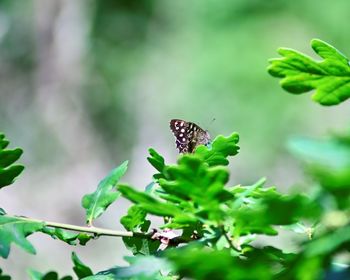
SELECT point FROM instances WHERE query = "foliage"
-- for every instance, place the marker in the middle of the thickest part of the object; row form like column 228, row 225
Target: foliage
column 300, row 73
column 15, row 230
column 51, row 275
column 71, row 238
column 97, row 202
column 213, row 229
column 8, row 171
column 80, row 269
column 3, row 276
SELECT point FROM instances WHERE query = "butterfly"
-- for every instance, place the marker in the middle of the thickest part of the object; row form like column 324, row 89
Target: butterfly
column 188, row 135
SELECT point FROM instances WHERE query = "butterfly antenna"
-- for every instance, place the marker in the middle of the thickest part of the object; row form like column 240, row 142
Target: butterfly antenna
column 211, row 122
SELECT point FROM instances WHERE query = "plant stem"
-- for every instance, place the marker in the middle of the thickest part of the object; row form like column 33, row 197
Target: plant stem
column 228, row 238
column 94, row 230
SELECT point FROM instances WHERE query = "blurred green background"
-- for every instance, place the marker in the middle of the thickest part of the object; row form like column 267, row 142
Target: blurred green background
column 85, row 85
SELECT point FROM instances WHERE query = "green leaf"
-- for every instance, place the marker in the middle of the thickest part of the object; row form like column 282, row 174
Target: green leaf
column 148, row 202
column 192, row 177
column 8, row 172
column 221, row 148
column 15, row 230
column 327, row 161
column 330, row 153
column 196, row 262
column 136, row 219
column 3, row 276
column 80, row 269
column 141, row 246
column 97, row 202
column 257, row 209
column 106, row 276
column 157, row 161
column 141, row 268
column 71, row 238
column 52, row 275
column 329, row 243
column 300, row 73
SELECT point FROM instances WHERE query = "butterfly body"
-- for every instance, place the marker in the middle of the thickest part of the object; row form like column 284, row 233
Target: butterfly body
column 188, row 135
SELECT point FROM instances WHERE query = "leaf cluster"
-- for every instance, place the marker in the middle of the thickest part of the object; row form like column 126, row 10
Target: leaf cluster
column 212, row 229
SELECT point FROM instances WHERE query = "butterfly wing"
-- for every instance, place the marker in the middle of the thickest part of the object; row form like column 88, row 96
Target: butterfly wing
column 188, row 135
column 182, row 137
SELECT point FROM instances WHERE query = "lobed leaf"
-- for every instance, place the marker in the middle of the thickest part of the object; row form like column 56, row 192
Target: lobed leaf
column 135, row 219
column 8, row 171
column 97, row 202
column 300, row 73
column 15, row 230
column 141, row 246
column 256, row 210
column 221, row 148
column 157, row 161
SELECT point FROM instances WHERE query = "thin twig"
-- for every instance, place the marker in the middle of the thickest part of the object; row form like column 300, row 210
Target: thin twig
column 94, row 230
column 228, row 238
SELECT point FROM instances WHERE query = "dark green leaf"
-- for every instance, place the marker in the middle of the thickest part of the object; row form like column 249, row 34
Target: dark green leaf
column 8, row 175
column 3, row 141
column 195, row 262
column 300, row 73
column 52, row 275
column 7, row 157
column 3, row 276
column 15, row 230
column 8, row 172
column 97, row 202
column 80, row 269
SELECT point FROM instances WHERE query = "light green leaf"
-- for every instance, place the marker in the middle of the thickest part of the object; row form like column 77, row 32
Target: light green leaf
column 221, row 148
column 300, row 73
column 135, row 220
column 97, row 202
column 149, row 203
column 329, row 242
column 156, row 160
column 15, row 230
